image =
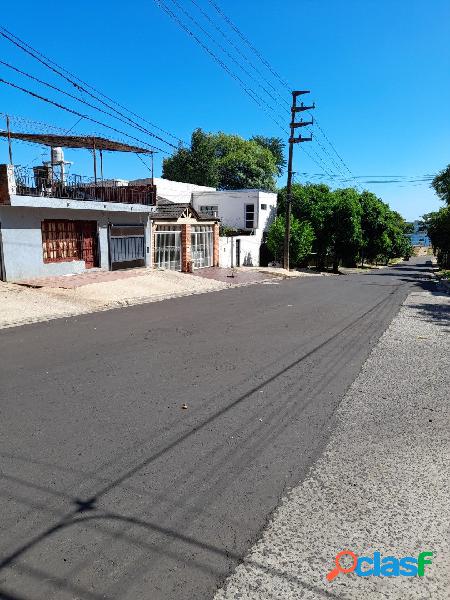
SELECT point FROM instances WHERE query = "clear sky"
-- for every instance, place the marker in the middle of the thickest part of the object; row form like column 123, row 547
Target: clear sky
column 378, row 70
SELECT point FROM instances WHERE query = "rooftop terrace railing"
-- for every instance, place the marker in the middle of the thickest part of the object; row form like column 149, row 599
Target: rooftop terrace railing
column 40, row 182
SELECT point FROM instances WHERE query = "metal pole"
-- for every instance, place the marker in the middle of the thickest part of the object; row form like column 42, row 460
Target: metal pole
column 9, row 140
column 95, row 163
column 287, row 228
column 101, row 174
column 152, row 168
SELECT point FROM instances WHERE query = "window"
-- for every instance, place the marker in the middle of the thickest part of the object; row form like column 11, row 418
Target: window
column 210, row 210
column 64, row 240
column 249, row 216
column 168, row 247
column 263, row 206
column 202, row 246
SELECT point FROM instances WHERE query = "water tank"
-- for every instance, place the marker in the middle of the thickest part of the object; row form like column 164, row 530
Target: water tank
column 57, row 155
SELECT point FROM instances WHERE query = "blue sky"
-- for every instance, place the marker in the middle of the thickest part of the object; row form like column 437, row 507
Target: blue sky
column 377, row 70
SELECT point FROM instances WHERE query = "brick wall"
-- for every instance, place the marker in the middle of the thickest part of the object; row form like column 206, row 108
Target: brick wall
column 7, row 183
column 185, row 248
column 216, row 245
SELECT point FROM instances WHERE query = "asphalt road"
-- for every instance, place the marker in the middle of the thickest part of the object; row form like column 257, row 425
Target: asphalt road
column 109, row 489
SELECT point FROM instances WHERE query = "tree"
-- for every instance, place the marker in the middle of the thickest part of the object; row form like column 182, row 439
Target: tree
column 375, row 241
column 347, row 225
column 301, row 240
column 312, row 203
column 441, row 185
column 346, row 233
column 276, row 147
column 225, row 162
column 438, row 228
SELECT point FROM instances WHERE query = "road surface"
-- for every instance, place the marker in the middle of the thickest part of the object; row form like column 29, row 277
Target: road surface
column 111, row 490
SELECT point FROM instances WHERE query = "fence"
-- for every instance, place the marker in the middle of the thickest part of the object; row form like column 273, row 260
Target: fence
column 41, row 182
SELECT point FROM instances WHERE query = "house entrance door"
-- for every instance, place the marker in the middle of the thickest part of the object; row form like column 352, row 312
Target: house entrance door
column 89, row 243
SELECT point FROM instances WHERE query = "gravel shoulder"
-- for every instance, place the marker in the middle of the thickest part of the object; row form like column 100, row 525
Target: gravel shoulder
column 382, row 482
column 21, row 305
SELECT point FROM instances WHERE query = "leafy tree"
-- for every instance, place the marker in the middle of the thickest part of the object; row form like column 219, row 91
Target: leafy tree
column 312, row 203
column 301, row 239
column 438, row 228
column 224, row 161
column 396, row 231
column 346, row 232
column 276, row 147
column 374, row 217
column 347, row 225
column 441, row 184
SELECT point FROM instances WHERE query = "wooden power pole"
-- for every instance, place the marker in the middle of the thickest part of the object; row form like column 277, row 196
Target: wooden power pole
column 293, row 140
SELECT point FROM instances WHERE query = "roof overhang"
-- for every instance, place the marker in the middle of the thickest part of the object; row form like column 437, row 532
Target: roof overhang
column 75, row 141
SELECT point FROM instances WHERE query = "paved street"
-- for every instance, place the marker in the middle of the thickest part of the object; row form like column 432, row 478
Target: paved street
column 111, row 490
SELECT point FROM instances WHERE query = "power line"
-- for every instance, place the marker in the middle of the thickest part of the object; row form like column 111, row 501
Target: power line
column 223, row 65
column 189, row 31
column 59, row 90
column 274, row 73
column 239, row 51
column 70, row 79
column 225, row 51
column 249, row 44
column 74, row 112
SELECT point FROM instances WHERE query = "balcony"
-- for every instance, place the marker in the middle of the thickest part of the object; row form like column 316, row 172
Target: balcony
column 39, row 182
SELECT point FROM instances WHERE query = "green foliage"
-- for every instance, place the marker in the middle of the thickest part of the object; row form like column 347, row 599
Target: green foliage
column 438, row 228
column 276, row 147
column 441, row 184
column 348, row 226
column 226, row 161
column 312, row 203
column 301, row 239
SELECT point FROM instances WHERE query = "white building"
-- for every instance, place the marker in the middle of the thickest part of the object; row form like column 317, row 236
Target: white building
column 250, row 212
column 174, row 191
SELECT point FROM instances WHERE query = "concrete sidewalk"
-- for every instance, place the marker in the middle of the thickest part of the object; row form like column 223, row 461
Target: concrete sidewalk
column 64, row 296
column 382, row 483
column 68, row 296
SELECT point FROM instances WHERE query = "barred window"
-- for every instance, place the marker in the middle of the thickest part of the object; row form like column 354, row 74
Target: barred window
column 61, row 241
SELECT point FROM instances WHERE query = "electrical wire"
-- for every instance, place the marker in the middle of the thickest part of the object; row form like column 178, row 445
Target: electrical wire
column 249, row 44
column 230, row 41
column 70, row 110
column 70, row 78
column 59, row 90
column 223, row 65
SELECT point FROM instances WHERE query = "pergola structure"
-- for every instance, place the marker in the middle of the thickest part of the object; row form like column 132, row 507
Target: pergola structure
column 92, row 143
column 44, row 181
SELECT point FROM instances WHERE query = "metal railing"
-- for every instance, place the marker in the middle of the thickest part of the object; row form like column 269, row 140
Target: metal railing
column 41, row 182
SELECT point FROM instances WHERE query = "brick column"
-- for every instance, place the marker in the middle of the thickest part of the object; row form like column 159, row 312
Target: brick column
column 216, row 245
column 7, row 183
column 185, row 247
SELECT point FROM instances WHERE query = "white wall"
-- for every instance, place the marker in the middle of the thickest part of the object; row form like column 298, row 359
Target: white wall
column 231, row 206
column 22, row 239
column 175, row 191
column 249, row 251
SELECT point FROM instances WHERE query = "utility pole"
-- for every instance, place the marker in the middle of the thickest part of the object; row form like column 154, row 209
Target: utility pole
column 293, row 140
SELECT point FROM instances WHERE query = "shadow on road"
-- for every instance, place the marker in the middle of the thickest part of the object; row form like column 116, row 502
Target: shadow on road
column 86, row 512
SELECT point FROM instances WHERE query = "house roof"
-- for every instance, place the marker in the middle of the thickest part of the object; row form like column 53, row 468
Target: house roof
column 166, row 210
column 75, row 141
